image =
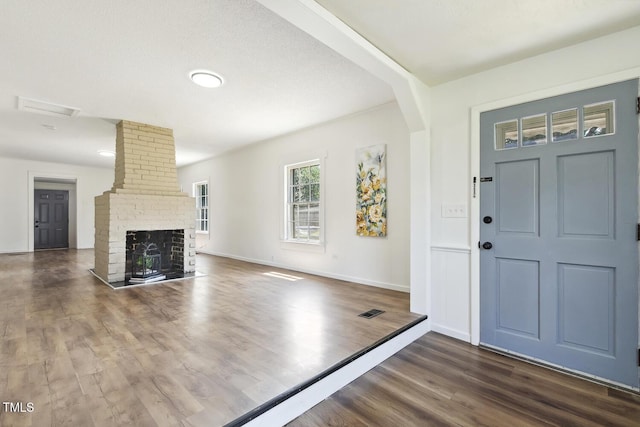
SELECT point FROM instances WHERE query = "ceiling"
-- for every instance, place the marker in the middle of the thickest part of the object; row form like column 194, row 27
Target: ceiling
column 442, row 40
column 122, row 59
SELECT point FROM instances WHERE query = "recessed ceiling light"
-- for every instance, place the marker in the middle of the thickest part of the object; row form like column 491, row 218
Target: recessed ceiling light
column 106, row 153
column 206, row 78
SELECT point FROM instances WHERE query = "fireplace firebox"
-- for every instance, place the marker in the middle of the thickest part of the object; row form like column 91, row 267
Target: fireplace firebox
column 154, row 255
column 145, row 264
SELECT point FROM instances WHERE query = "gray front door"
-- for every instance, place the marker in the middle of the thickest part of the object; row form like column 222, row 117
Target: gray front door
column 51, row 227
column 558, row 215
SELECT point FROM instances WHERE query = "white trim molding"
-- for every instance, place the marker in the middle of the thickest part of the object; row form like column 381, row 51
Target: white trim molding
column 454, row 333
column 309, row 397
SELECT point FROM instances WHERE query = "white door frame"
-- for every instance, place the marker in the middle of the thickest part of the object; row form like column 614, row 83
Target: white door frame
column 474, row 203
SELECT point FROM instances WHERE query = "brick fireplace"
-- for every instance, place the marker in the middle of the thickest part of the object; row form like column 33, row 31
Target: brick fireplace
column 145, row 197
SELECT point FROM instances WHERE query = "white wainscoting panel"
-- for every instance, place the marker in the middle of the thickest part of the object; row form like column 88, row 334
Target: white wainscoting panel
column 450, row 291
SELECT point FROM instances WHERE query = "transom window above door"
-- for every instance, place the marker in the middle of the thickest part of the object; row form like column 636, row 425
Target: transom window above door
column 572, row 124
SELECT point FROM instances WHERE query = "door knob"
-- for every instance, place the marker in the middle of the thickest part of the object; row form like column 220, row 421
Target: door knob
column 487, row 245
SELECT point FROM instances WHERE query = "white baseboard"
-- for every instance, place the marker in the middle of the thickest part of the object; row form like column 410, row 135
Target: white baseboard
column 14, row 252
column 453, row 333
column 27, row 251
column 306, row 399
column 359, row 280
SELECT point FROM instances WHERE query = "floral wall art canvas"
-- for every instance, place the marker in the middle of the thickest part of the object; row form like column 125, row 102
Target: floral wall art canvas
column 371, row 191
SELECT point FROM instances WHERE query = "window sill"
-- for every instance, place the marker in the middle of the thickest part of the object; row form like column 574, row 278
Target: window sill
column 202, row 232
column 302, row 246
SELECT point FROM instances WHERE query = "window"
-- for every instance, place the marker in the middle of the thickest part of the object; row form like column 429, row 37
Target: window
column 506, row 135
column 534, row 130
column 201, row 193
column 302, row 204
column 598, row 119
column 564, row 125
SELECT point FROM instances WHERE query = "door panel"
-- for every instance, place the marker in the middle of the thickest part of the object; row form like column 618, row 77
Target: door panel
column 43, row 209
column 589, row 326
column 559, row 282
column 42, row 238
column 586, row 195
column 518, row 287
column 60, row 211
column 517, row 181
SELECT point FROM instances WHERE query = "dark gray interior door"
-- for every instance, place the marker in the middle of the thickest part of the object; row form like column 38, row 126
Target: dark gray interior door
column 51, row 217
column 559, row 207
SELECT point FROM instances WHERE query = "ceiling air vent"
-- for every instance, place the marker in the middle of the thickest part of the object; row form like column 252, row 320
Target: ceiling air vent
column 42, row 107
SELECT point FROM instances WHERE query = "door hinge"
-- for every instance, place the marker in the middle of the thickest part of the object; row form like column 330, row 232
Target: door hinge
column 638, row 233
column 638, row 105
column 639, row 357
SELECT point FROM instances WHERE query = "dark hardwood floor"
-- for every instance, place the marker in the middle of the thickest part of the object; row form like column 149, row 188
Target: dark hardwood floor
column 198, row 352
column 440, row 381
column 203, row 351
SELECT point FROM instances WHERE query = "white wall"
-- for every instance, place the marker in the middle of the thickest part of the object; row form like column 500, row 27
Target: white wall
column 453, row 104
column 16, row 178
column 246, row 200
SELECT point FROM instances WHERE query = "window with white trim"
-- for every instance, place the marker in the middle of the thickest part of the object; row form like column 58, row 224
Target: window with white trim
column 201, row 193
column 302, row 202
